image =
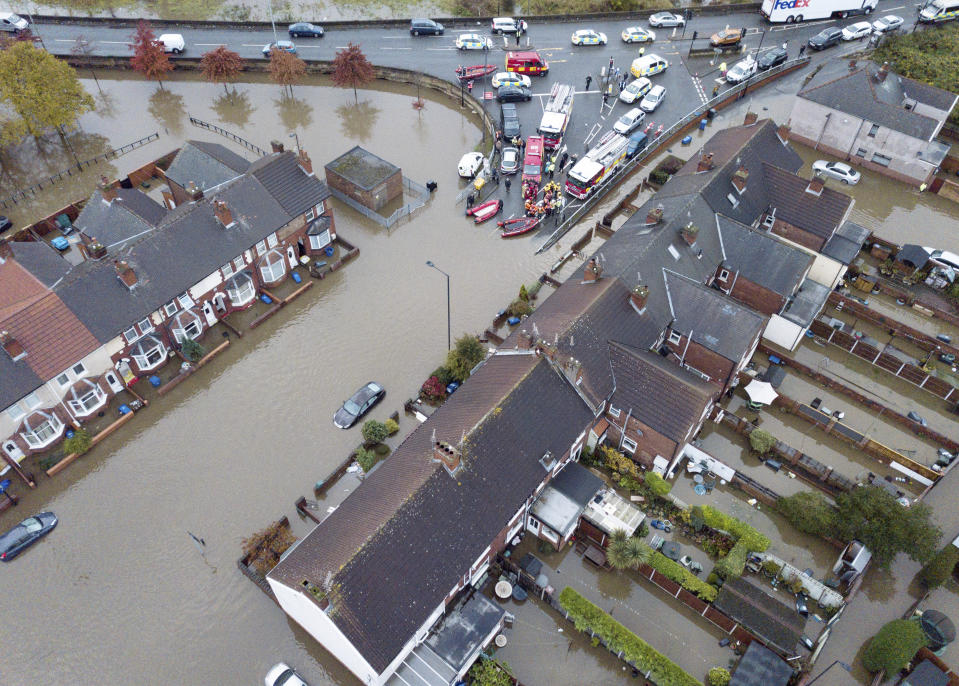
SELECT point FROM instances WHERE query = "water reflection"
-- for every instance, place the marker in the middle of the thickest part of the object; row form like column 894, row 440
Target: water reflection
column 357, row 119
column 167, row 108
column 234, row 107
column 294, row 112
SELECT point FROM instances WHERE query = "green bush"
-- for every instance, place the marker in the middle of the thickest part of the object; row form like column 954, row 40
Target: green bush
column 809, row 512
column 519, row 308
column 755, row 542
column 734, row 563
column 392, row 426
column 467, row 352
column 895, row 645
column 79, row 443
column 938, row 570
column 488, row 672
column 523, row 294
column 719, row 676
column 682, row 576
column 444, row 375
column 192, row 350
column 589, row 618
column 658, row 176
column 366, row 458
column 762, row 441
column 657, row 484
column 374, row 432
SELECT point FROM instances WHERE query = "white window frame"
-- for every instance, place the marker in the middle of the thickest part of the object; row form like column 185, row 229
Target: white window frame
column 243, row 293
column 63, row 380
column 33, row 401
column 883, row 161
column 227, row 270
column 614, row 411
column 79, row 369
column 51, row 424
column 675, row 337
column 145, row 325
column 533, row 524
column 271, row 240
column 15, row 411
column 873, row 130
column 315, row 240
column 260, row 248
column 82, row 405
column 627, row 442
column 268, row 270
column 143, row 359
column 191, row 331
column 186, row 302
column 311, row 214
column 723, row 274
column 861, row 152
column 239, row 263
column 131, row 335
column 171, row 308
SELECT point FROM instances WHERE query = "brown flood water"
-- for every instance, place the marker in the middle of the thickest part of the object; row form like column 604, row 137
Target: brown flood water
column 119, row 590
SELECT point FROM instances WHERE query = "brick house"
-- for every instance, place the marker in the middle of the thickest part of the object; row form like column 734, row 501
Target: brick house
column 803, row 212
column 870, row 116
column 369, row 180
column 555, row 515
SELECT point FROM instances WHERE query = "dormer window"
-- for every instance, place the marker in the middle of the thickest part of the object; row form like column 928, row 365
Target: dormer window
column 723, row 274
column 675, row 337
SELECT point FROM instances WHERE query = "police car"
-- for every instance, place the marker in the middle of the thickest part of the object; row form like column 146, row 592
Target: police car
column 636, row 90
column 588, row 37
column 647, row 65
column 637, row 34
column 473, row 41
column 505, row 78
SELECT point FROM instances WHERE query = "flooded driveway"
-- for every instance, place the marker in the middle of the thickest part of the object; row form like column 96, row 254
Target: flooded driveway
column 119, row 591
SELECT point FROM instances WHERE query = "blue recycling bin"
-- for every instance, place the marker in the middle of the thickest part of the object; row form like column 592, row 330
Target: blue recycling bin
column 155, row 381
column 296, row 277
column 687, row 140
column 702, row 124
column 329, row 250
column 265, row 298
column 124, row 409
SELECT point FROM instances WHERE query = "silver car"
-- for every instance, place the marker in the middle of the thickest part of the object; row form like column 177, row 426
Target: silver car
column 666, row 19
column 509, row 160
column 837, row 170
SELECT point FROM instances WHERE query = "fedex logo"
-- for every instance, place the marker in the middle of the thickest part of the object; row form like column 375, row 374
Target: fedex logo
column 790, row 4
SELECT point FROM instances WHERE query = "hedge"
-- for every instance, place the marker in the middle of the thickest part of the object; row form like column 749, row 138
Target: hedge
column 676, row 572
column 589, row 618
column 748, row 540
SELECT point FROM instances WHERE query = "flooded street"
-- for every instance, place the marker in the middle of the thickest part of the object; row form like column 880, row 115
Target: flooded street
column 119, row 590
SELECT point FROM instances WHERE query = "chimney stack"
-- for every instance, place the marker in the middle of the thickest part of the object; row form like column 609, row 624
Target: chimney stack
column 572, row 370
column 223, row 213
column 593, row 271
column 783, row 133
column 194, row 191
column 689, row 233
column 750, row 119
column 11, row 346
column 740, row 177
column 525, row 340
column 305, row 163
column 277, row 146
column 883, row 72
column 6, row 252
column 125, row 273
column 448, row 455
column 705, row 162
column 654, row 216
column 816, row 185
column 638, row 297
column 107, row 190
column 95, row 248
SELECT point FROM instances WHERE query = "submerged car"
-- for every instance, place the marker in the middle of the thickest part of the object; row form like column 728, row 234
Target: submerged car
column 837, row 170
column 802, row 606
column 25, row 534
column 281, row 674
column 359, row 404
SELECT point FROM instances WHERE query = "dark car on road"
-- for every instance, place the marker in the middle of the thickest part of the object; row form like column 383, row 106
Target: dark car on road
column 511, row 93
column 305, row 29
column 509, row 121
column 359, row 404
column 25, row 534
column 771, row 58
column 825, row 39
column 425, row 27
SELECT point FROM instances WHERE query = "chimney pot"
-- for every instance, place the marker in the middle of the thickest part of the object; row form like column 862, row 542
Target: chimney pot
column 125, row 273
column 447, row 455
column 638, row 296
column 305, row 163
column 107, row 190
column 816, row 185
column 883, row 72
column 95, row 248
column 593, row 271
column 783, row 133
column 689, row 233
column 223, row 214
column 194, row 191
column 740, row 177
column 654, row 216
column 525, row 340
column 277, row 146
column 6, row 251
column 11, row 346
column 750, row 119
column 705, row 162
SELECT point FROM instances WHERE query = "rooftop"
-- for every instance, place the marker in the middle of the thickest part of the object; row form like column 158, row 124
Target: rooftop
column 362, row 168
column 611, row 512
column 764, row 615
column 846, row 243
column 130, row 216
column 205, row 164
column 760, row 666
column 760, row 258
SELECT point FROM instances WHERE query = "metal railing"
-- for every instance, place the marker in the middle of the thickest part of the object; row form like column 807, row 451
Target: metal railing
column 22, row 194
column 420, row 195
column 227, row 134
column 624, row 170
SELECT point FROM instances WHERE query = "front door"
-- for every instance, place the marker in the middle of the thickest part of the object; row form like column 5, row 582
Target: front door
column 291, row 256
column 113, row 382
column 208, row 313
column 13, row 451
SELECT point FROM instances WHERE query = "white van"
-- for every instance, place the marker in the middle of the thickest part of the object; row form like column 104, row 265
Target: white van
column 172, row 42
column 504, row 25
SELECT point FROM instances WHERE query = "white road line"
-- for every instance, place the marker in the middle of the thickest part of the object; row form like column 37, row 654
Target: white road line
column 387, row 48
column 901, row 7
column 113, row 42
column 450, row 48
column 207, row 45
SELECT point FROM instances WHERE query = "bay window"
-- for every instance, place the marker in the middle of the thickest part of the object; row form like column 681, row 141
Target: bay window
column 40, row 429
column 240, row 289
column 149, row 353
column 273, row 266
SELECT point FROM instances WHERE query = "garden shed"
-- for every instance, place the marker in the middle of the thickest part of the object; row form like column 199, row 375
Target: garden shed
column 366, row 178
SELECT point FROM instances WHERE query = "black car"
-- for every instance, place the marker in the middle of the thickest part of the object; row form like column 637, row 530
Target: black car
column 802, row 606
column 509, row 121
column 425, row 27
column 825, row 39
column 771, row 58
column 358, row 405
column 511, row 93
column 25, row 534
column 305, row 29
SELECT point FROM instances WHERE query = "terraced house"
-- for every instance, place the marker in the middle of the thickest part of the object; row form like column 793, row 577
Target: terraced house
column 149, row 279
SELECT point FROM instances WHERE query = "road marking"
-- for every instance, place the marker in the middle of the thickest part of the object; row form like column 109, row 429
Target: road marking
column 901, row 7
column 207, row 45
column 803, row 25
column 449, row 48
column 558, row 61
column 386, row 48
column 113, row 42
column 698, row 85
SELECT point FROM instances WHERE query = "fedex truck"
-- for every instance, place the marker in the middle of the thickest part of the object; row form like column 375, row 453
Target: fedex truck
column 790, row 11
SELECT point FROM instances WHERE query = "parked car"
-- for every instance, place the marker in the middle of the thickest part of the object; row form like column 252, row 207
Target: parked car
column 12, row 23
column 653, row 99
column 470, row 164
column 285, row 45
column 473, row 41
column 726, row 38
column 513, row 94
column 359, row 403
column 629, row 121
column 802, row 607
column 637, row 143
column 172, row 42
column 886, row 24
column 511, row 78
column 281, row 674
column 425, row 27
column 638, row 34
column 588, row 37
column 837, row 170
column 666, row 19
column 305, row 29
column 25, row 534
column 742, row 70
column 825, row 39
column 509, row 121
column 504, row 25
column 942, row 258
column 647, row 65
column 636, row 90
column 771, row 58
column 914, row 416
column 509, row 160
column 662, row 525
column 948, row 358
column 860, row 29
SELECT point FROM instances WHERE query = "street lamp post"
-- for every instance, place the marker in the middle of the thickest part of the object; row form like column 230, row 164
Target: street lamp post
column 449, row 337
column 294, row 135
column 272, row 22
column 837, row 662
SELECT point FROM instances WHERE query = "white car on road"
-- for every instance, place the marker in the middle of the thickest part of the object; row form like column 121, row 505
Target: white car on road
column 588, row 37
column 666, row 19
column 654, row 98
column 12, row 23
column 511, row 78
column 470, row 164
column 886, row 24
column 629, row 121
column 742, row 70
column 860, row 29
column 636, row 90
column 172, row 42
column 473, row 41
column 837, row 170
column 638, row 34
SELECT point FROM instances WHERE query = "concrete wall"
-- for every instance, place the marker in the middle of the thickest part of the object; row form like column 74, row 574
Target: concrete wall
column 843, row 135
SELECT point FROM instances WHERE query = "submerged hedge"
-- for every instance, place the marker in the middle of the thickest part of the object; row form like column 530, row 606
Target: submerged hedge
column 682, row 576
column 590, row 618
column 748, row 540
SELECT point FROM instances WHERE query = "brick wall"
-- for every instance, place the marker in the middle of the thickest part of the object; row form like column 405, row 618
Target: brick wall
column 717, row 367
column 797, row 235
column 649, row 442
column 752, row 294
column 373, row 199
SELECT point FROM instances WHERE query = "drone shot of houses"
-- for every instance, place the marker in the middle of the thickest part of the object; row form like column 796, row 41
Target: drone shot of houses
column 697, row 417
